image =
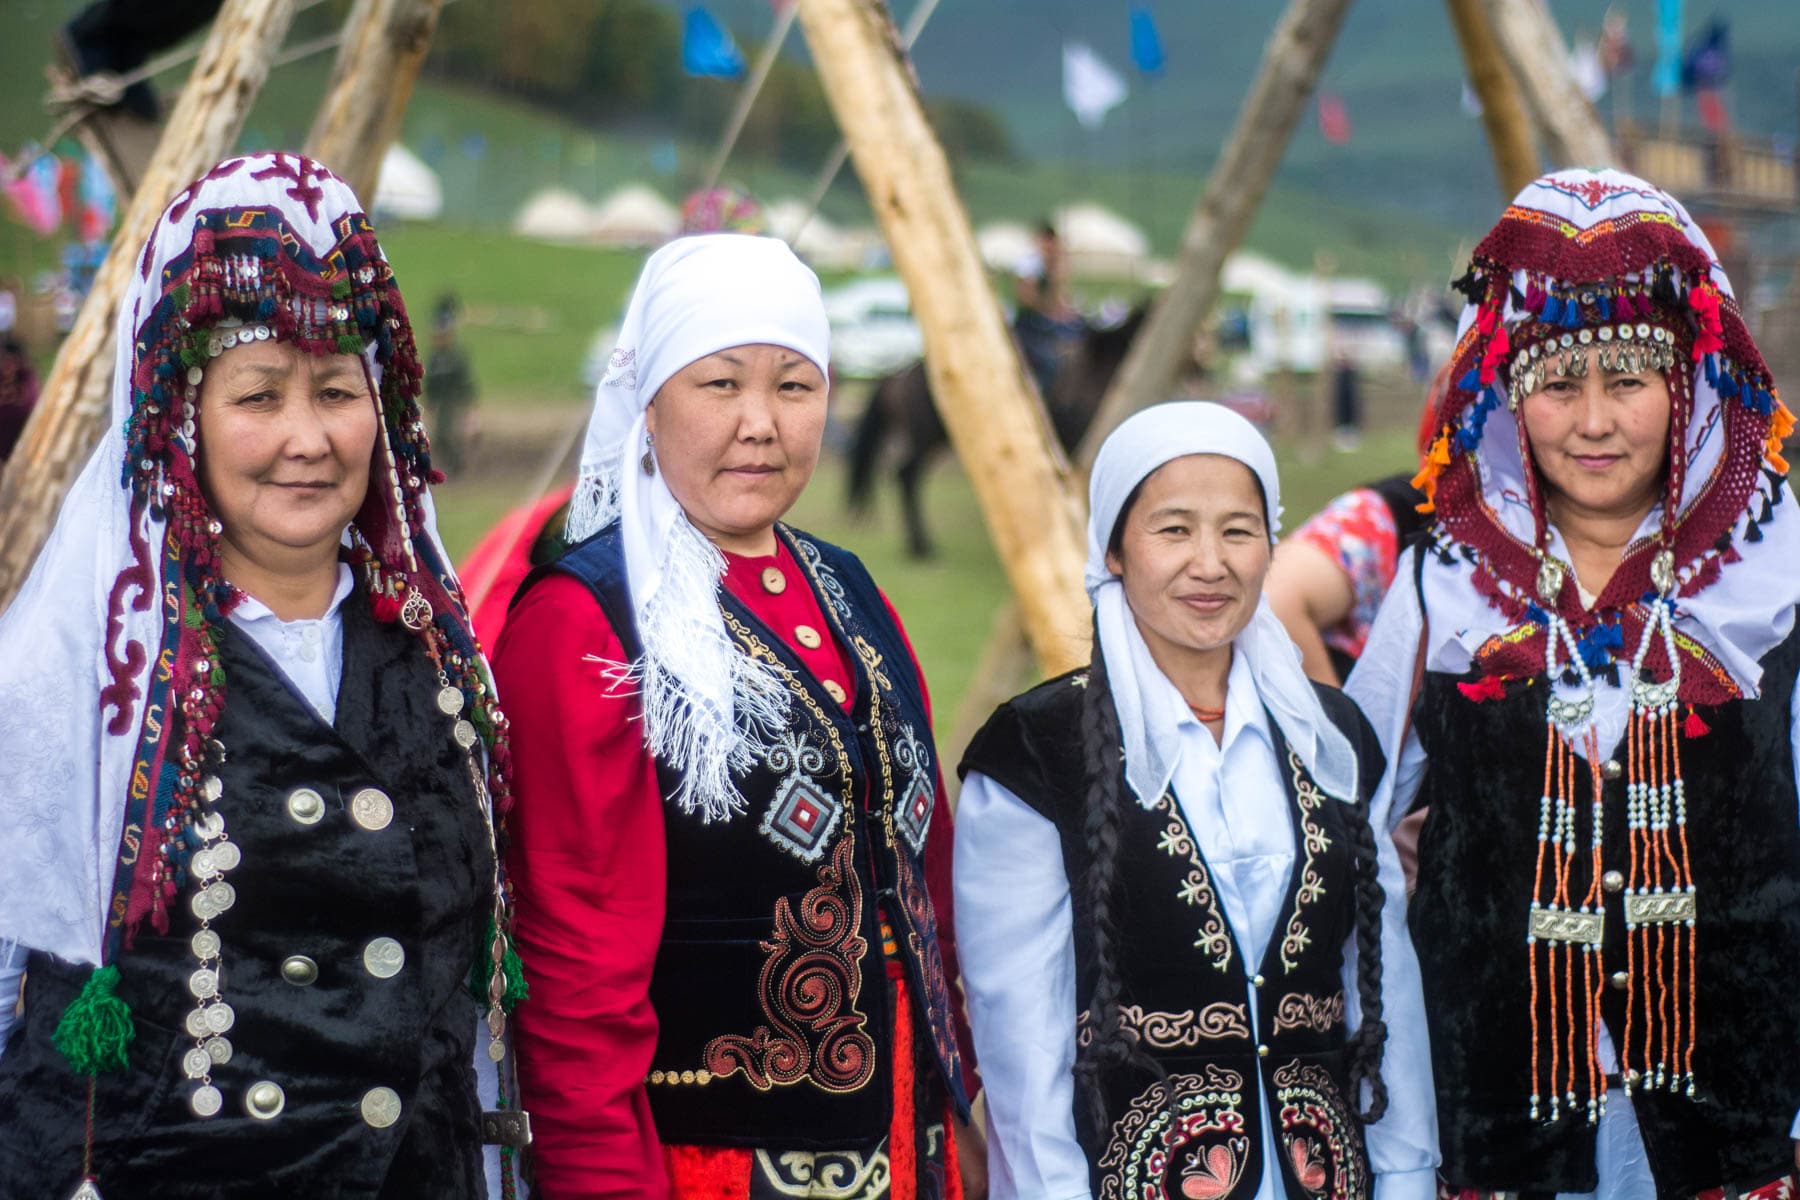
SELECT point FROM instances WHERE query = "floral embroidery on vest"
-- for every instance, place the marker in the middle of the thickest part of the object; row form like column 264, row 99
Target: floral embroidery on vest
column 1318, row 1133
column 1185, row 1137
column 1185, row 1030
column 1302, row 1010
column 809, row 989
column 1312, row 885
column 1177, row 841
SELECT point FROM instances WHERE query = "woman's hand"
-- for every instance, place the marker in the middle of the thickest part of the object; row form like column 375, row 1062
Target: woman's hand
column 971, row 1159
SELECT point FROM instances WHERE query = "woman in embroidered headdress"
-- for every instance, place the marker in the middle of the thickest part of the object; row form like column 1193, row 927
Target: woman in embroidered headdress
column 1589, row 686
column 1184, row 947
column 248, row 857
column 731, row 846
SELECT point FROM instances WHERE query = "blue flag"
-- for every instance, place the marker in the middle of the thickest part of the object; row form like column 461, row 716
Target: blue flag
column 706, row 49
column 1666, row 76
column 1707, row 63
column 1146, row 43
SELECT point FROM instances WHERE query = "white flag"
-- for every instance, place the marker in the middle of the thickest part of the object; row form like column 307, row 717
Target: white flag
column 1091, row 89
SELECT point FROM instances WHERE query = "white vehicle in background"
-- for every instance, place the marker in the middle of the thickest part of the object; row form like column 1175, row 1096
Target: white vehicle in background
column 873, row 333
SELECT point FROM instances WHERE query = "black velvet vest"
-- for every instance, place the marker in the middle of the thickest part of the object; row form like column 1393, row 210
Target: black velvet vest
column 1468, row 920
column 322, row 890
column 770, row 989
column 1187, row 986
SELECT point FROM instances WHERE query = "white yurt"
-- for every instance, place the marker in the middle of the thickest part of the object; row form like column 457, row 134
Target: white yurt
column 1100, row 243
column 635, row 215
column 408, row 188
column 554, row 215
column 1005, row 244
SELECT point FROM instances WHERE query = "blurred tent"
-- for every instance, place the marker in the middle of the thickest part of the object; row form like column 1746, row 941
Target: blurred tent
column 635, row 215
column 815, row 239
column 408, row 189
column 1005, row 244
column 554, row 214
column 1100, row 243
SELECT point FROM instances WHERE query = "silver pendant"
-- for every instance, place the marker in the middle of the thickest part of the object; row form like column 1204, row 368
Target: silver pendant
column 86, row 1190
column 1549, row 580
column 1662, row 571
column 449, row 700
column 464, row 733
column 206, row 1101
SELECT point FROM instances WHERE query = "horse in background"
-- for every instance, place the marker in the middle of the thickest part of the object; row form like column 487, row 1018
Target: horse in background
column 901, row 406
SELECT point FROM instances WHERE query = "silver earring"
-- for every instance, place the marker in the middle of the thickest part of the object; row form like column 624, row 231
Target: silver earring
column 648, row 462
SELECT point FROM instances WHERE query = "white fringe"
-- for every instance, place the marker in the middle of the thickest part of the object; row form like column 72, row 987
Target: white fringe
column 687, row 659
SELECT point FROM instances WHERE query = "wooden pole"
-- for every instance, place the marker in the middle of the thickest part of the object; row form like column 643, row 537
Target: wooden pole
column 76, row 401
column 759, row 75
column 988, row 404
column 1539, row 58
column 1502, row 111
column 377, row 65
column 1290, row 69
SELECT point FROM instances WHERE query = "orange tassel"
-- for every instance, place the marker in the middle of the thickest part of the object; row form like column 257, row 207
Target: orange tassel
column 1435, row 462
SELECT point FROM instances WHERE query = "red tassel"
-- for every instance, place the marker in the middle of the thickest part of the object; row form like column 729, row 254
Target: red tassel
column 385, row 608
column 1694, row 727
column 1488, row 687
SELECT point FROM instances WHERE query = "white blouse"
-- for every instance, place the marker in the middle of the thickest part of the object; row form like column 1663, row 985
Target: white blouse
column 1381, row 685
column 1015, row 940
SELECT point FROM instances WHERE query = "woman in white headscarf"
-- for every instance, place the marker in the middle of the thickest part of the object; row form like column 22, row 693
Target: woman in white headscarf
column 247, row 858
column 1184, row 949
column 731, row 851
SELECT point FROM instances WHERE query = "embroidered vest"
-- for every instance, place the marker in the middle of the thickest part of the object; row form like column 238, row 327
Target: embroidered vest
column 1188, row 987
column 320, row 1010
column 1469, row 916
column 770, row 987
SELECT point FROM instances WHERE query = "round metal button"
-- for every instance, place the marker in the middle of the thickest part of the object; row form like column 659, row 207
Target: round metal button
column 196, row 1063
column 265, row 1100
column 1256, row 981
column 1621, row 980
column 371, row 809
column 206, row 1101
column 1262, row 1052
column 299, row 970
column 1611, row 768
column 834, row 690
column 383, row 957
column 1613, row 881
column 807, row 636
column 380, row 1107
column 305, row 806
column 449, row 700
column 773, row 581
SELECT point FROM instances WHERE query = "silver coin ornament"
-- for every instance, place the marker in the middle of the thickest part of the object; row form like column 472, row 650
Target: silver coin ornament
column 203, row 865
column 196, row 1023
column 384, row 957
column 464, row 733
column 212, row 787
column 219, row 1050
column 449, row 700
column 226, row 856
column 206, row 1101
column 204, row 984
column 496, row 1050
column 204, row 944
column 371, row 809
column 380, row 1107
column 220, row 1017
column 197, row 1063
column 210, row 825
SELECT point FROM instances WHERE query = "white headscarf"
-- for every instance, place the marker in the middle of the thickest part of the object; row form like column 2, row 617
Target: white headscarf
column 1130, row 455
column 707, row 705
column 65, row 773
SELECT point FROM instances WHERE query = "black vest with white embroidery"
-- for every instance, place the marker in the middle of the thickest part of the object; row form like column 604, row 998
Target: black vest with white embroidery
column 771, row 993
column 1187, row 989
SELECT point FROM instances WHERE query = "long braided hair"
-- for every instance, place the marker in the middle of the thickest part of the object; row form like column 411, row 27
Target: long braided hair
column 1110, row 1045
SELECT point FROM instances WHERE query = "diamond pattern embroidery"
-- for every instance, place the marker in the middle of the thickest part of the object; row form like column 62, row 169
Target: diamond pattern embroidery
column 802, row 818
column 914, row 813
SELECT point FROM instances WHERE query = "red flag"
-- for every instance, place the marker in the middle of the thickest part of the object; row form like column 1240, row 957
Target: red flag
column 1334, row 118
column 1712, row 110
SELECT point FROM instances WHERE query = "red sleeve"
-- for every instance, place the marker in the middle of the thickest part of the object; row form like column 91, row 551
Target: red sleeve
column 940, row 852
column 587, row 862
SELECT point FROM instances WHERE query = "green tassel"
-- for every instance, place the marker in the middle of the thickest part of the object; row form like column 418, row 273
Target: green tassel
column 180, row 296
column 349, row 343
column 516, row 989
column 340, row 289
column 96, row 1029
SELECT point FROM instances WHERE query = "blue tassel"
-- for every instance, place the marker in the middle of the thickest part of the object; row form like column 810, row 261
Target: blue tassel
column 1536, row 614
column 1552, row 312
column 265, row 308
column 1605, row 307
column 1572, row 313
column 1470, row 382
column 1712, row 370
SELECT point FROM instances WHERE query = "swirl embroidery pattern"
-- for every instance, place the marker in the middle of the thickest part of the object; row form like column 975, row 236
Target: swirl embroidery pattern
column 809, row 987
column 1318, row 1134
column 1302, row 1010
column 1316, row 842
column 1187, row 1137
column 1177, row 841
column 1218, row 1021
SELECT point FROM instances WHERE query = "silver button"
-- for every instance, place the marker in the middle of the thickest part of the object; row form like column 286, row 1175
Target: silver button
column 1621, row 980
column 1613, row 881
column 305, row 806
column 1262, row 1052
column 380, row 1107
column 265, row 1100
column 1256, row 981
column 1611, row 768
column 383, row 957
column 371, row 809
column 206, row 1101
column 299, row 970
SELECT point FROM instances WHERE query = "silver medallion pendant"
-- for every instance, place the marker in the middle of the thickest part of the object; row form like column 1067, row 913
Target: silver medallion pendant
column 464, row 733
column 1549, row 580
column 449, row 700
column 85, row 1190
column 206, row 1101
column 1662, row 571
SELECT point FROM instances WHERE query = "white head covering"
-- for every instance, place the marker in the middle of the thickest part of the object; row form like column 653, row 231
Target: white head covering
column 1130, row 455
column 79, row 643
column 707, row 705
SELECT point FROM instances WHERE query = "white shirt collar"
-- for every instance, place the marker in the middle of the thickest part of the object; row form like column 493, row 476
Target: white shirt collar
column 250, row 610
column 1244, row 711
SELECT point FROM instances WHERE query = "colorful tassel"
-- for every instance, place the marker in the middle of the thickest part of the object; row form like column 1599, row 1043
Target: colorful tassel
column 96, row 1030
column 1694, row 726
column 1488, row 687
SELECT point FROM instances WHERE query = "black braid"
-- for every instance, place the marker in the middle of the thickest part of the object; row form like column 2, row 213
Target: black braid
column 1112, row 1045
column 1366, row 1045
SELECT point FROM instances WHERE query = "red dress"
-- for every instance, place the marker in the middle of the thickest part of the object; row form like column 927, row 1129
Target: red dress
column 587, row 864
